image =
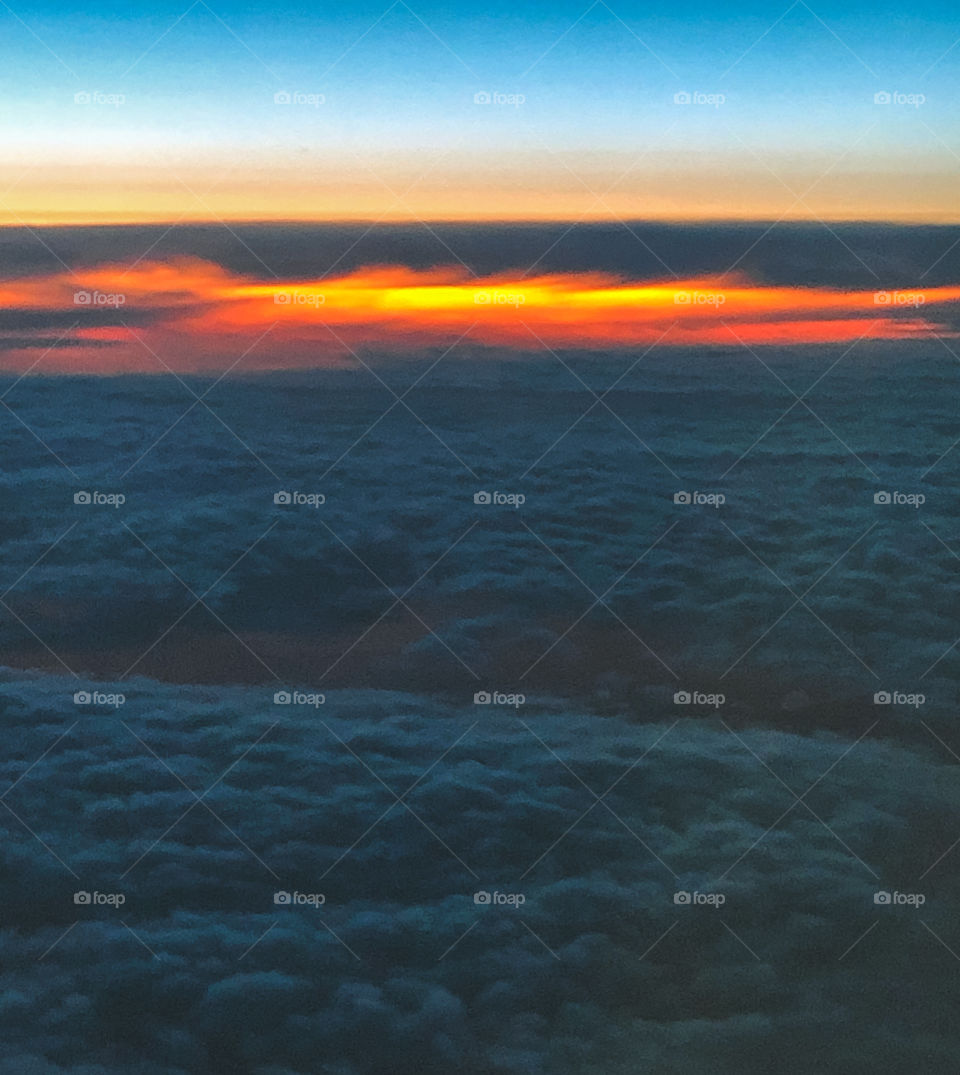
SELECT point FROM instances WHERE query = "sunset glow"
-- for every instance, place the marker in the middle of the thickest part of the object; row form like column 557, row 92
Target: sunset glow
column 193, row 314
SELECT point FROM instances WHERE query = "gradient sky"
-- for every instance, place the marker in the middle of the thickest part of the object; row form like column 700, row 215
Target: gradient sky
column 399, row 136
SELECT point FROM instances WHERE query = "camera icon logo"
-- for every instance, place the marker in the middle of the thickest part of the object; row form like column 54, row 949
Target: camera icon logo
column 681, row 897
column 481, row 298
column 881, row 498
column 481, row 897
column 81, row 498
column 82, row 698
column 681, row 498
column 82, row 98
column 82, row 298
column 282, row 698
column 882, row 898
column 881, row 98
column 482, row 498
column 682, row 98
column 281, row 298
column 281, row 97
column 682, row 698
column 482, row 98
column 882, row 298
column 282, row 497
column 482, row 698
column 81, row 897
column 281, row 897
column 681, row 298
column 882, row 698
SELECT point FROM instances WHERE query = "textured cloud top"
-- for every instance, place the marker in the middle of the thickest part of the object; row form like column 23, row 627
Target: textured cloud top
column 277, row 887
column 552, row 716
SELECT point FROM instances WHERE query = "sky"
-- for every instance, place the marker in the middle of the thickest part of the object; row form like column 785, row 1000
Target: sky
column 561, row 115
column 579, row 115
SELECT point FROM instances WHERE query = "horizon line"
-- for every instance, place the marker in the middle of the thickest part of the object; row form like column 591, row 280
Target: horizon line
column 678, row 222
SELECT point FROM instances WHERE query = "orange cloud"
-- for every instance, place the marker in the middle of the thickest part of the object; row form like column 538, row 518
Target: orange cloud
column 190, row 314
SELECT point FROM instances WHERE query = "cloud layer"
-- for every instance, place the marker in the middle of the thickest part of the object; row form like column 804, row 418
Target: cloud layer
column 620, row 783
column 196, row 306
column 495, row 595
column 398, row 810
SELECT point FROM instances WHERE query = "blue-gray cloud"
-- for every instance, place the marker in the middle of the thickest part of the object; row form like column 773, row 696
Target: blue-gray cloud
column 415, row 973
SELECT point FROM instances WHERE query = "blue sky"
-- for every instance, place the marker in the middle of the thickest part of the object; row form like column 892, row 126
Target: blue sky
column 198, row 85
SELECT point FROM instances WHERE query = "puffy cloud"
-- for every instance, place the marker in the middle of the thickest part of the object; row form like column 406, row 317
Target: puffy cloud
column 400, row 969
column 597, row 967
column 302, row 588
